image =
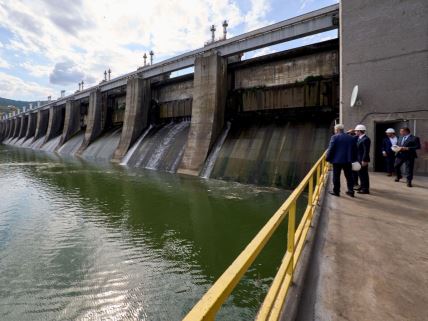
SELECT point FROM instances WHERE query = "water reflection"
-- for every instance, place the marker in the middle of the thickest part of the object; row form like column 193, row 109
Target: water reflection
column 80, row 241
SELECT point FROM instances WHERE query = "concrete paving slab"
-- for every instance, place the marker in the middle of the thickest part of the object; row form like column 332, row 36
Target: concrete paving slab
column 370, row 261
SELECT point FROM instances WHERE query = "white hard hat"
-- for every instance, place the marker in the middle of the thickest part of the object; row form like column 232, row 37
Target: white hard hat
column 360, row 127
column 356, row 166
column 390, row 131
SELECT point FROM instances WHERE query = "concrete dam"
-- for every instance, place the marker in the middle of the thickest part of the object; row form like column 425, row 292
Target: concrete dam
column 261, row 121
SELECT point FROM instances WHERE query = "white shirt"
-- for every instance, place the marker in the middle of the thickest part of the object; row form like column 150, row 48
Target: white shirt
column 393, row 140
column 360, row 137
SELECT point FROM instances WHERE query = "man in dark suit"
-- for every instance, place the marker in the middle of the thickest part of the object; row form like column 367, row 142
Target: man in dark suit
column 363, row 156
column 408, row 144
column 387, row 152
column 342, row 152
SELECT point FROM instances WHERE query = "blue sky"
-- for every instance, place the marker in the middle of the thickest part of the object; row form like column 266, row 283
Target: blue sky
column 50, row 45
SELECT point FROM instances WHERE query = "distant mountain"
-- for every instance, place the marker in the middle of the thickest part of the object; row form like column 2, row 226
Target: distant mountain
column 17, row 103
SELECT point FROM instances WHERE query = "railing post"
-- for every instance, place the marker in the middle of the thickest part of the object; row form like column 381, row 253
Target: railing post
column 290, row 237
column 318, row 174
column 311, row 196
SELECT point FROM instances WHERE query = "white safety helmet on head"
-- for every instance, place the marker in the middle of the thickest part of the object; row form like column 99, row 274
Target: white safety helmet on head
column 360, row 127
column 390, row 131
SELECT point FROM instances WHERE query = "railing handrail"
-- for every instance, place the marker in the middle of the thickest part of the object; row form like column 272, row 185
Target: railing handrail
column 207, row 307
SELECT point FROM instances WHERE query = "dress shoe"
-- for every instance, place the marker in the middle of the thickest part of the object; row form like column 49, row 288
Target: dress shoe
column 352, row 194
column 409, row 184
column 361, row 191
column 397, row 179
column 333, row 193
column 389, row 174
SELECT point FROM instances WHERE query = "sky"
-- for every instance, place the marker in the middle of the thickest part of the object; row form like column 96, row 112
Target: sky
column 51, row 45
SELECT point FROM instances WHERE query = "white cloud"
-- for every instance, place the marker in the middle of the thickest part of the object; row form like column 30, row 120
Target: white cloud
column 255, row 18
column 14, row 87
column 36, row 70
column 99, row 34
column 259, row 52
column 4, row 63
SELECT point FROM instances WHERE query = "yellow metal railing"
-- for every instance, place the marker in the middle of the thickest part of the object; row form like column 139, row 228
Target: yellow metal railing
column 207, row 307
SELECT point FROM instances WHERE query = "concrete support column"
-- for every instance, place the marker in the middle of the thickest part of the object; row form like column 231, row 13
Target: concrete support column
column 95, row 121
column 24, row 126
column 11, row 128
column 32, row 122
column 209, row 100
column 7, row 129
column 2, row 130
column 71, row 122
column 138, row 99
column 6, row 134
column 17, row 127
column 41, row 124
column 56, row 122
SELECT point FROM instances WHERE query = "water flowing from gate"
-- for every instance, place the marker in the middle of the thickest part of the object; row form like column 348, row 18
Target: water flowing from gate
column 270, row 152
column 162, row 147
column 209, row 164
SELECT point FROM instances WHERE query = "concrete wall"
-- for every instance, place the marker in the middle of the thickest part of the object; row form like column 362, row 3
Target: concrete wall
column 316, row 93
column 32, row 122
column 42, row 124
column 56, row 122
column 71, row 121
column 174, row 97
column 11, row 128
column 138, row 100
column 209, row 100
column 384, row 50
column 95, row 119
column 17, row 127
column 24, row 126
column 288, row 70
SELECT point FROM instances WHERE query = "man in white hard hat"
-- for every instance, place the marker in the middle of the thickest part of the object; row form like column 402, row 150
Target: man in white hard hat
column 387, row 152
column 363, row 156
column 342, row 152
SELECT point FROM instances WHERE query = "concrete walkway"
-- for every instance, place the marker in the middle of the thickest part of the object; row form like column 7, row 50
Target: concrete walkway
column 370, row 260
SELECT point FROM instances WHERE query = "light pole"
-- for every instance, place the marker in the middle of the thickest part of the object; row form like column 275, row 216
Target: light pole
column 225, row 25
column 213, row 29
column 151, row 56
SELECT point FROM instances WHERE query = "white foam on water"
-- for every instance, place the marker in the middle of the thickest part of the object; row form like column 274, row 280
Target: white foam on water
column 159, row 152
column 134, row 147
column 210, row 162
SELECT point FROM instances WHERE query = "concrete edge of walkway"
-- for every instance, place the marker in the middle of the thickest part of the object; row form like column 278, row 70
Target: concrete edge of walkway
column 292, row 302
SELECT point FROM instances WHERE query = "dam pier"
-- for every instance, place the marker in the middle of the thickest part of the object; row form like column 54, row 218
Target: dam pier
column 221, row 210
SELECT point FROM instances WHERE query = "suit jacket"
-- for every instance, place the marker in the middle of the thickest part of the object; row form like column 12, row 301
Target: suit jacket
column 363, row 147
column 413, row 143
column 342, row 149
column 386, row 147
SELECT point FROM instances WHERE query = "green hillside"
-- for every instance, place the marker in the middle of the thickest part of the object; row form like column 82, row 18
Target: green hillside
column 16, row 103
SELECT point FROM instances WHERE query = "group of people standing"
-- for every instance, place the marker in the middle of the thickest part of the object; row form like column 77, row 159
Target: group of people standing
column 350, row 152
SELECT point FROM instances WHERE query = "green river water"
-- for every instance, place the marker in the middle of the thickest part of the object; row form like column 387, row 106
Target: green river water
column 83, row 241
